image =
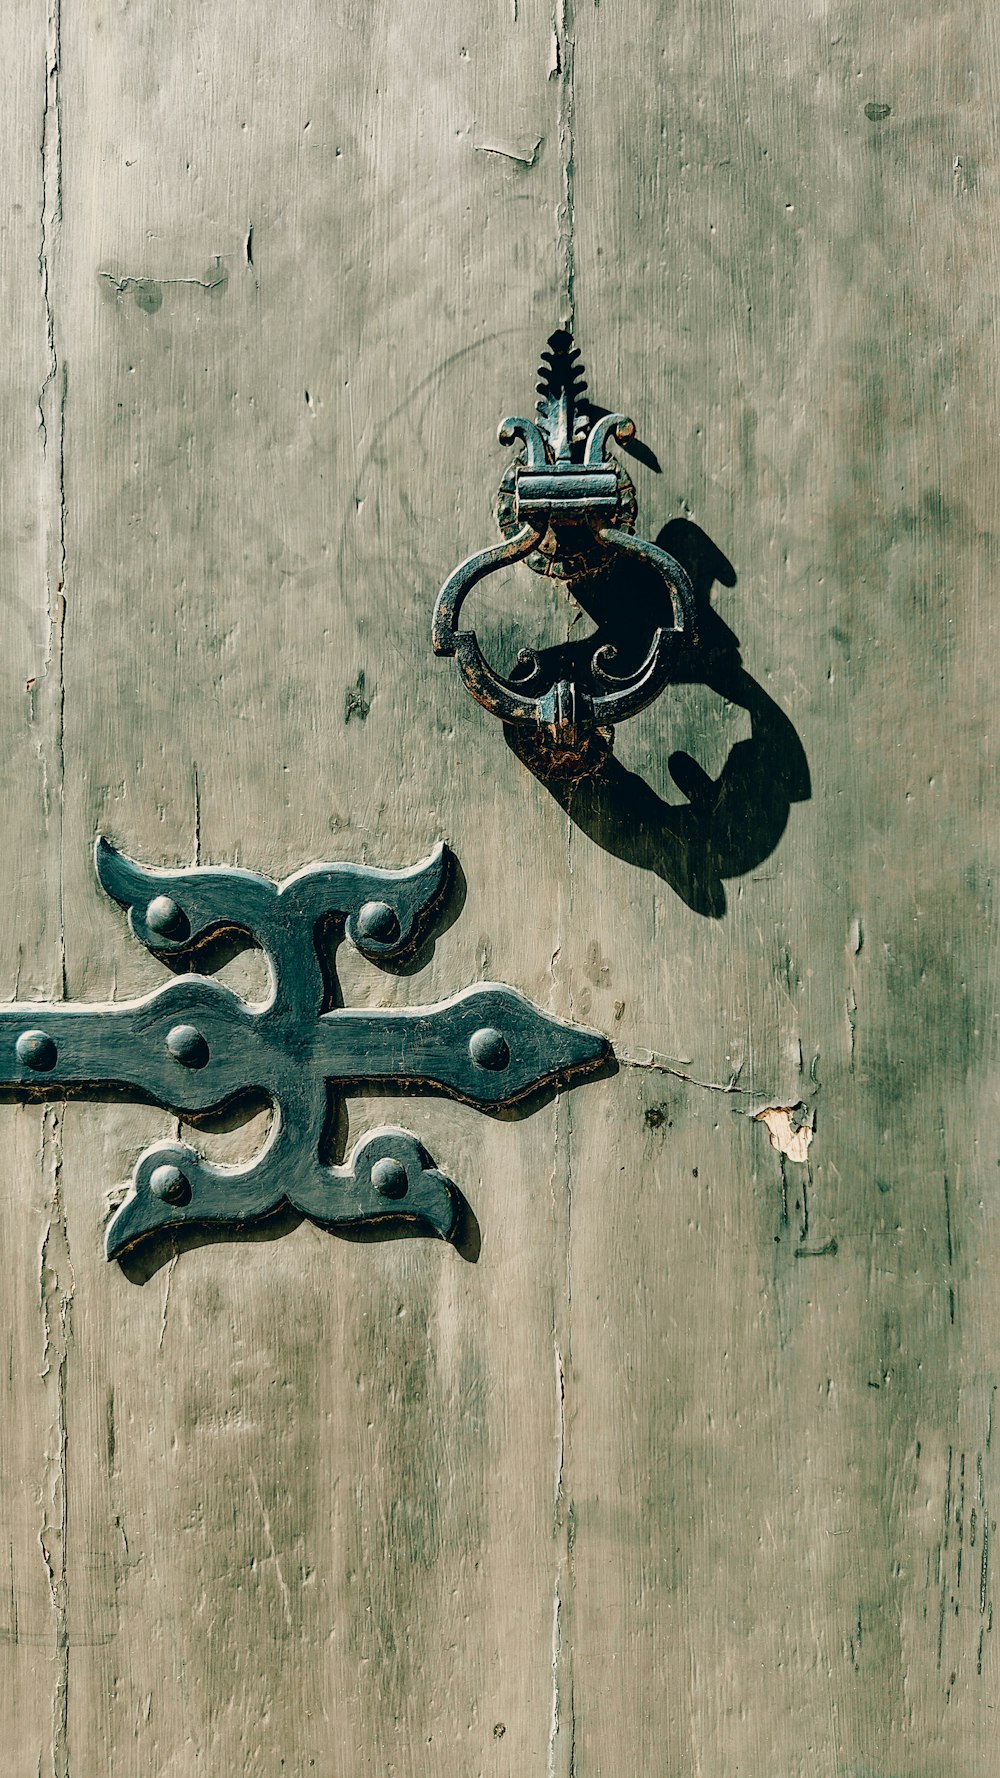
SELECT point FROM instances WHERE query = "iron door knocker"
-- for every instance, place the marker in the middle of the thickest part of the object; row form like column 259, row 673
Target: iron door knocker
column 568, row 509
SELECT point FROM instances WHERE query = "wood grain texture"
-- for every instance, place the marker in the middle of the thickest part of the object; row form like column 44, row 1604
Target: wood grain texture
column 783, row 1557
column 324, row 1533
column 693, row 1470
column 36, row 1319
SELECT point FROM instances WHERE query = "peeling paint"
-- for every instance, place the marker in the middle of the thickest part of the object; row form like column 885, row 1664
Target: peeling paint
column 667, row 1065
column 523, row 158
column 147, row 293
column 788, row 1131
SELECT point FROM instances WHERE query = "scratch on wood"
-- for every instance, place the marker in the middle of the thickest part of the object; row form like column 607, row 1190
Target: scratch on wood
column 949, row 1247
column 273, row 1557
column 984, row 1561
column 851, row 1003
column 660, row 1065
column 963, row 1553
column 110, row 1433
column 217, row 279
column 942, row 1559
column 855, row 945
column 197, row 814
column 13, row 1634
column 248, row 252
column 171, row 1267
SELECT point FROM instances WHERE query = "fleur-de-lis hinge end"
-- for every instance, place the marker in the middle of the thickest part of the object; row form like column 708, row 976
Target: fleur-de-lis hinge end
column 194, row 1046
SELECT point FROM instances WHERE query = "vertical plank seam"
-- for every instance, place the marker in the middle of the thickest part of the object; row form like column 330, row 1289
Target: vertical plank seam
column 52, row 428
column 55, row 1290
column 561, row 1761
column 55, row 1279
column 564, row 71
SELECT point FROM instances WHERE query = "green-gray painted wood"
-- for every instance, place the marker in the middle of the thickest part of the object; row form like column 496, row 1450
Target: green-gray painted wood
column 693, row 1470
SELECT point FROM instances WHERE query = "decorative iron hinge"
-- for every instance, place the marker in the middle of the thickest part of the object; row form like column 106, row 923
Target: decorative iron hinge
column 568, row 509
column 194, row 1045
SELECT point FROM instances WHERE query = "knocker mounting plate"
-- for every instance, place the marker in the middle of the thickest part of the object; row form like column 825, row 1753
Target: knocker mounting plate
column 568, row 509
column 194, row 1046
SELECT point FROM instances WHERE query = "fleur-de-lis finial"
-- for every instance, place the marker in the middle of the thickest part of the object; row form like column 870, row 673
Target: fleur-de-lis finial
column 561, row 388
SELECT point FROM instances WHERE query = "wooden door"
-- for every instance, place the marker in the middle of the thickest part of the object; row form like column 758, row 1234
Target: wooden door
column 690, row 1468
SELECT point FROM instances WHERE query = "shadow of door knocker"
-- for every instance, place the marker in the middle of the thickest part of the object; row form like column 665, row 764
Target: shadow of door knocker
column 568, row 509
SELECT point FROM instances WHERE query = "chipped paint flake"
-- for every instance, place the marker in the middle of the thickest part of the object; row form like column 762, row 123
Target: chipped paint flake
column 525, row 157
column 788, row 1130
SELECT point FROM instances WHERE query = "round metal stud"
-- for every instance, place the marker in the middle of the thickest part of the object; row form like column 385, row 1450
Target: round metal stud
column 488, row 1049
column 377, row 922
column 187, row 1045
column 36, row 1049
column 389, row 1177
column 170, row 1184
column 166, row 918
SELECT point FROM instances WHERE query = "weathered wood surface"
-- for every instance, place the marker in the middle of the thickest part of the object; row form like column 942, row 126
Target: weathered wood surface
column 693, row 1470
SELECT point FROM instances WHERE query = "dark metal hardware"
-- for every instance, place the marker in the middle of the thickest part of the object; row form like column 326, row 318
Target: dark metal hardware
column 568, row 509
column 193, row 1046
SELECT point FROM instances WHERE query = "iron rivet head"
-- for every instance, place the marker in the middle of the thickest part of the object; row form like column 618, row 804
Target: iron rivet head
column 389, row 1178
column 36, row 1049
column 165, row 918
column 186, row 1044
column 488, row 1049
column 377, row 922
column 170, row 1184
